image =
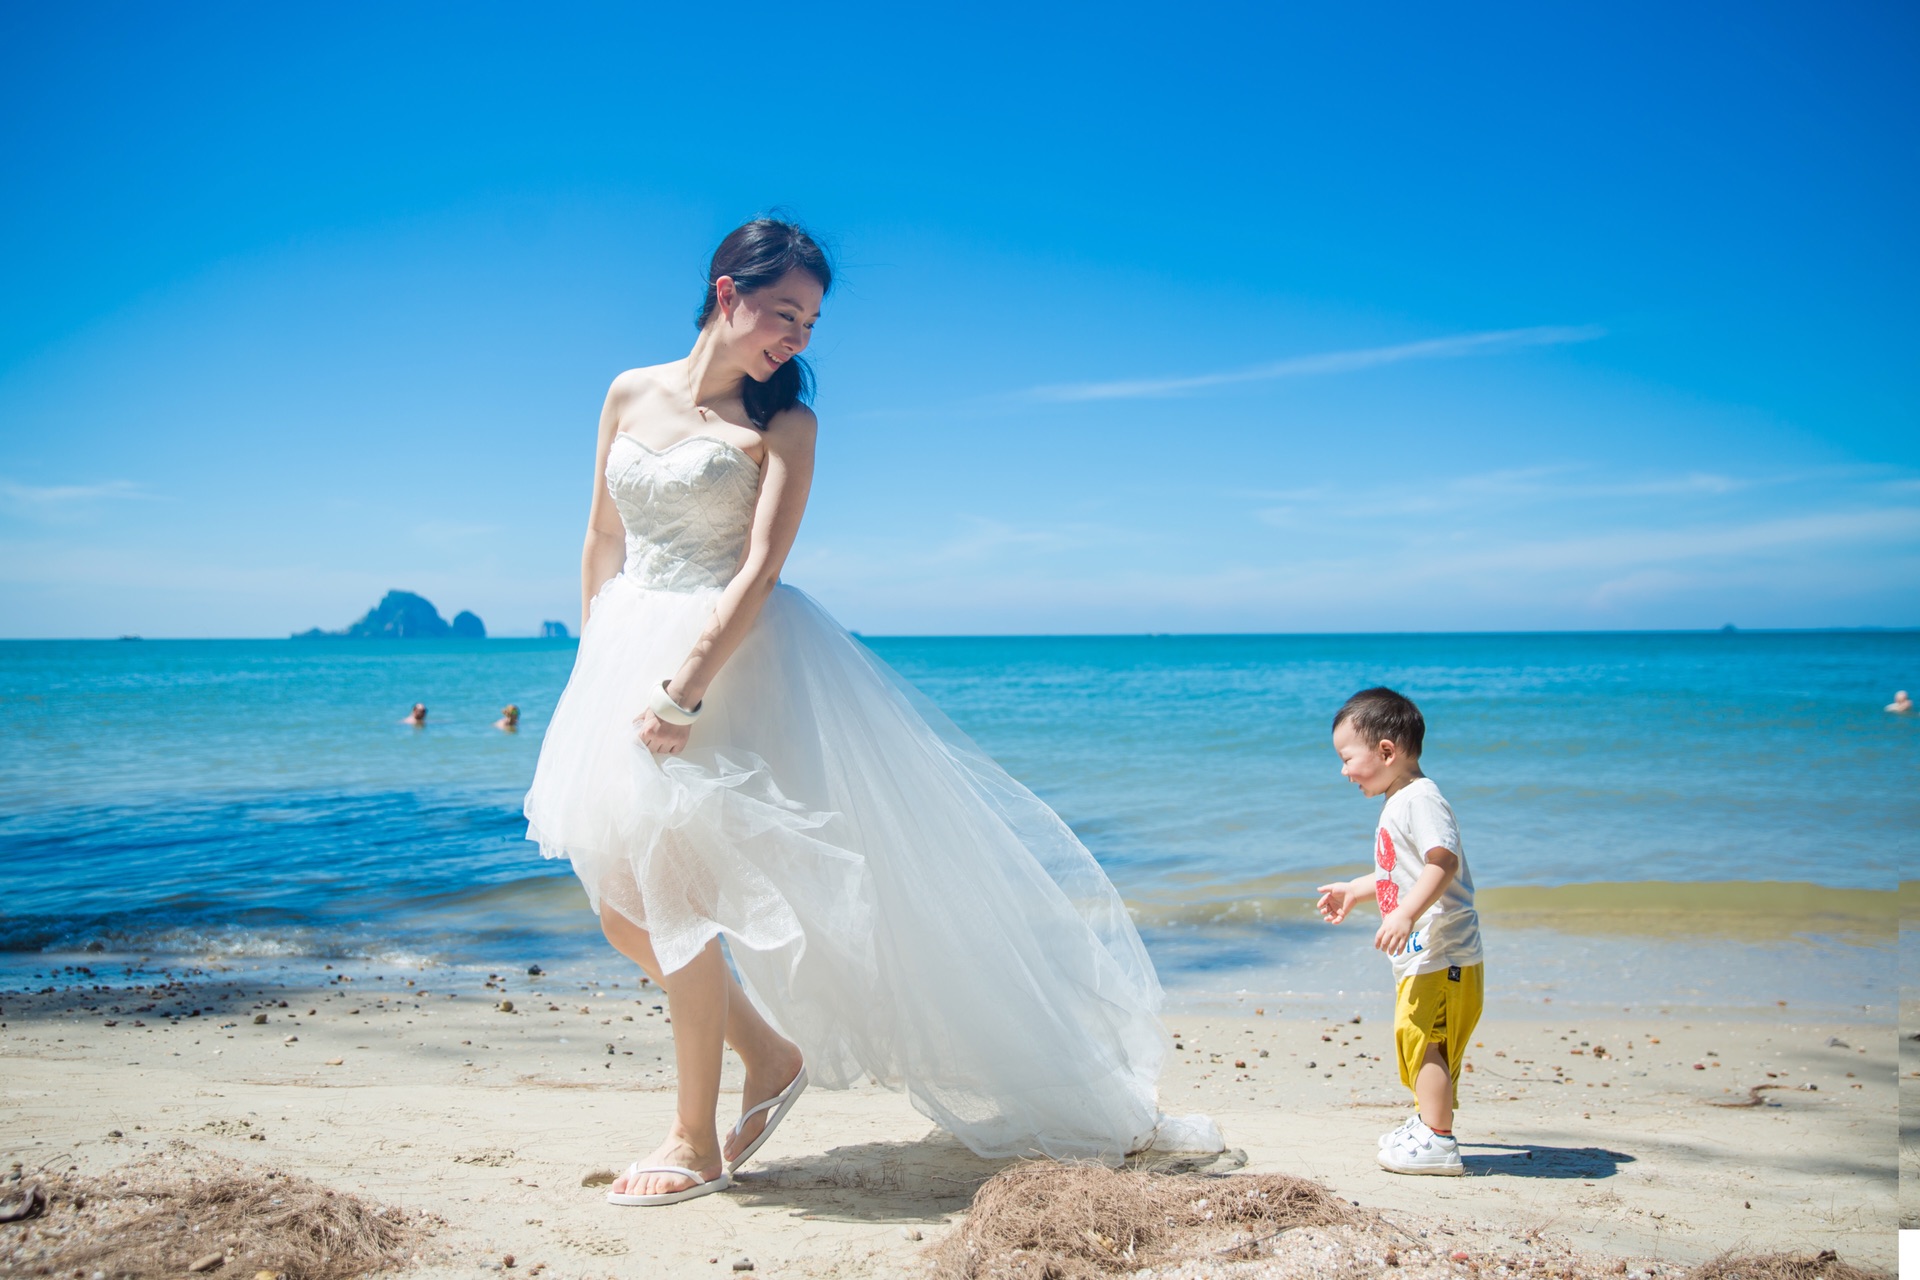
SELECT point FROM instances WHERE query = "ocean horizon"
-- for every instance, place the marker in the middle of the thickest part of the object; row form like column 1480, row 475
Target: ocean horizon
column 1708, row 795
column 1723, row 629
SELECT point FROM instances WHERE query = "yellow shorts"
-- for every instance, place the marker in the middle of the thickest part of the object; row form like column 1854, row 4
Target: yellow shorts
column 1440, row 1009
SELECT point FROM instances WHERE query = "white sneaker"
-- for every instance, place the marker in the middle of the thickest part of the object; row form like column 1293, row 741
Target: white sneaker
column 1392, row 1136
column 1422, row 1151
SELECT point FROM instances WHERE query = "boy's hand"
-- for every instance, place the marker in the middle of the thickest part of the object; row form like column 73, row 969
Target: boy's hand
column 1395, row 927
column 1335, row 901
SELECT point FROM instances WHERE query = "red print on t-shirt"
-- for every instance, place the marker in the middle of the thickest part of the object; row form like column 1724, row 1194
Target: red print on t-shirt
column 1384, row 889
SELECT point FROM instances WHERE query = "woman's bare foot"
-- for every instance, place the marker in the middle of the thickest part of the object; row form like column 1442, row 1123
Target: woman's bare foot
column 765, row 1078
column 702, row 1157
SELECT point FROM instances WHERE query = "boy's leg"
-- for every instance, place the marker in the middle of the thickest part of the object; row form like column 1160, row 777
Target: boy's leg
column 1433, row 1090
column 1434, row 1018
column 1419, row 1026
column 1423, row 1021
column 1438, row 1085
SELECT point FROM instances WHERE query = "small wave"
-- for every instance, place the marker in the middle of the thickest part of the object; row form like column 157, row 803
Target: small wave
column 221, row 943
column 1728, row 908
column 541, row 892
column 1755, row 909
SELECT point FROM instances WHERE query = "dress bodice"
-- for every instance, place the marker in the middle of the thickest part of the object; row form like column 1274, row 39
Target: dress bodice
column 687, row 509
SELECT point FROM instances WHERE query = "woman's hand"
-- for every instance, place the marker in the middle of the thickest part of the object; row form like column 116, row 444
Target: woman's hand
column 659, row 737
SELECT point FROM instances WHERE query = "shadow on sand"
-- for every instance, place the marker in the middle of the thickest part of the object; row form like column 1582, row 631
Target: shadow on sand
column 906, row 1182
column 1531, row 1160
column 925, row 1181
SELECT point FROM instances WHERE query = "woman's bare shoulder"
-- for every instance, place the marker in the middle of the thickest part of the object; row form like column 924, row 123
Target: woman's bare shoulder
column 646, row 380
column 794, row 425
column 634, row 390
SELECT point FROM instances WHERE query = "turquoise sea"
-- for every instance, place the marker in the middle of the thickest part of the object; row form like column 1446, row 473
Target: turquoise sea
column 259, row 801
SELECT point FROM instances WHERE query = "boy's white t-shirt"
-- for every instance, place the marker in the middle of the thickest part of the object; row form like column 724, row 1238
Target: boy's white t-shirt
column 1414, row 819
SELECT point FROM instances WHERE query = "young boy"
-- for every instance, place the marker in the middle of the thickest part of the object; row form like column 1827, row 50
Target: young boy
column 1428, row 925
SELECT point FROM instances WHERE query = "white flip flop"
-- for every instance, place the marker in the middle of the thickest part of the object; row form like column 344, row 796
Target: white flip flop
column 781, row 1103
column 701, row 1186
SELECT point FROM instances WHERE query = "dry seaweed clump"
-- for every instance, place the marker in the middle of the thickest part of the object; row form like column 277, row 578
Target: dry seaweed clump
column 1825, row 1265
column 1045, row 1221
column 185, row 1213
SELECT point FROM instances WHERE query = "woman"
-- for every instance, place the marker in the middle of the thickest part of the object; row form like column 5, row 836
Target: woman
column 727, row 760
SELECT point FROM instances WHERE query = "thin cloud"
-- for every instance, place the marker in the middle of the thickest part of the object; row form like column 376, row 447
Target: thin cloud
column 1513, row 488
column 1466, row 344
column 44, row 497
column 1553, row 483
column 1553, row 545
column 1621, row 550
column 1641, row 576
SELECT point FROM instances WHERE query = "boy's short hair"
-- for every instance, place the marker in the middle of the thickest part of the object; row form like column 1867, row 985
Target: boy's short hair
column 1381, row 714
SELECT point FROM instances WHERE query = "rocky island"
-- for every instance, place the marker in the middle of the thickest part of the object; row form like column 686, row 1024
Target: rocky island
column 402, row 615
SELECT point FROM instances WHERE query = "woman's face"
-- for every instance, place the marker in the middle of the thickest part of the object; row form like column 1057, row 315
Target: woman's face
column 768, row 327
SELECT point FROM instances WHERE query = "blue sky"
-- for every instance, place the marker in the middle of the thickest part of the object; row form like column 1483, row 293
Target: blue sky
column 1151, row 319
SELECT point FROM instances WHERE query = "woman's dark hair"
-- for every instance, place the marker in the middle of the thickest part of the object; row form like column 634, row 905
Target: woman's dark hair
column 756, row 255
column 1380, row 713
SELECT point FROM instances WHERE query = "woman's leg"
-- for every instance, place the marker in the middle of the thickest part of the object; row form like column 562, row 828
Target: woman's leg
column 771, row 1061
column 697, row 1003
column 747, row 1032
column 707, row 1006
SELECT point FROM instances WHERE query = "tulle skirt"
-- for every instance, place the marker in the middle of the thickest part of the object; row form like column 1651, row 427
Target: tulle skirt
column 895, row 903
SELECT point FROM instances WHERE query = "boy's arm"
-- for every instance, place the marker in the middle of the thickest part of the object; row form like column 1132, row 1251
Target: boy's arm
column 1337, row 899
column 1395, row 928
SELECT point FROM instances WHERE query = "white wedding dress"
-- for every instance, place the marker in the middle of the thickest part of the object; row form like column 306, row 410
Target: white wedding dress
column 895, row 903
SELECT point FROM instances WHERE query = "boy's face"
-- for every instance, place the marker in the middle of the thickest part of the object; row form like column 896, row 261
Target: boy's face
column 1373, row 767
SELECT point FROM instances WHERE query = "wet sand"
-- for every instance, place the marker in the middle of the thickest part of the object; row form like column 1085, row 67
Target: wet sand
column 1611, row 1135
column 1909, row 1049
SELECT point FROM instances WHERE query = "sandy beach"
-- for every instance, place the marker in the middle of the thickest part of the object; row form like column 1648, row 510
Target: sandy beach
column 1647, row 1136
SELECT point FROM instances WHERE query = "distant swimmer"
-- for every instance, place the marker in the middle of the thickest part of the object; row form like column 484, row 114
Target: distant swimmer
column 418, row 716
column 1901, row 703
column 509, row 721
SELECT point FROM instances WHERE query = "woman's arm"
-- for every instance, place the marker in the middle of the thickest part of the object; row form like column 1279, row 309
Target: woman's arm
column 786, row 477
column 606, row 548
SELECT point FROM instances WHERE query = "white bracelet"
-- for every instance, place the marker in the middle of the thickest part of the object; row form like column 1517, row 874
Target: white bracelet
column 666, row 709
